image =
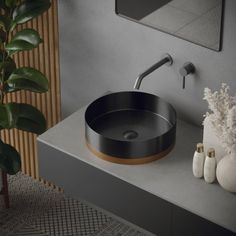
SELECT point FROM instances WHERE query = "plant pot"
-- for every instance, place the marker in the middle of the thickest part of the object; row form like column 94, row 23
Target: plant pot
column 226, row 172
column 211, row 140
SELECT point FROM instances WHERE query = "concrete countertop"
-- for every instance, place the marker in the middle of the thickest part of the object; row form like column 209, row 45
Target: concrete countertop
column 169, row 178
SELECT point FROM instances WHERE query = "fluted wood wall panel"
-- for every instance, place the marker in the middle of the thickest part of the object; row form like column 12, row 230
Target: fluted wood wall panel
column 46, row 59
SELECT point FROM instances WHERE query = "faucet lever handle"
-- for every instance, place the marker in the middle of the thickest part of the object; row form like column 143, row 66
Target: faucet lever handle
column 186, row 69
column 183, row 82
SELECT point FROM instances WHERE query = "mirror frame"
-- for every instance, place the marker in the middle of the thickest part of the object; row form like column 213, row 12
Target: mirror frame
column 221, row 27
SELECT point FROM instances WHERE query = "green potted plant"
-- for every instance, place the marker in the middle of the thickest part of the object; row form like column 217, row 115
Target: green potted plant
column 12, row 78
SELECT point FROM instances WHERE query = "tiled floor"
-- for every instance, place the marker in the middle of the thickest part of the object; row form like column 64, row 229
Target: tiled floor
column 40, row 211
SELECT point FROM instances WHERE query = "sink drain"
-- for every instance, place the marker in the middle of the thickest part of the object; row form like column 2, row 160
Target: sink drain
column 130, row 134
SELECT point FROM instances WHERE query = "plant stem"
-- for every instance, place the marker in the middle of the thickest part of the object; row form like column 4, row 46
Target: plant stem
column 3, row 71
column 4, row 58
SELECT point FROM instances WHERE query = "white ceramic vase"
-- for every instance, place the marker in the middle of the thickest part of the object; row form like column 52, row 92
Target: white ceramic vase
column 211, row 140
column 226, row 172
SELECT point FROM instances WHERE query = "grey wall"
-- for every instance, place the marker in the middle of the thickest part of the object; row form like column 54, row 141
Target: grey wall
column 101, row 51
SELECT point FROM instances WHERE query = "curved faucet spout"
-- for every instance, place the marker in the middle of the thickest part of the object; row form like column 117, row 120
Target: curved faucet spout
column 167, row 59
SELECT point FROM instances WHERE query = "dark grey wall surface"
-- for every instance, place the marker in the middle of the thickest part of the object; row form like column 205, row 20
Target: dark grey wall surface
column 101, row 51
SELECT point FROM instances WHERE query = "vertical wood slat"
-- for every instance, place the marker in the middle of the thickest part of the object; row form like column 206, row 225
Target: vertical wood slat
column 46, row 59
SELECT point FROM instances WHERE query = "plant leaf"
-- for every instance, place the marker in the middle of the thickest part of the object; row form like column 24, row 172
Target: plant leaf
column 9, row 66
column 5, row 22
column 4, row 7
column 30, row 119
column 28, row 79
column 4, row 119
column 10, row 3
column 9, row 159
column 3, row 36
column 2, row 4
column 2, row 55
column 22, row 116
column 26, row 39
column 29, row 9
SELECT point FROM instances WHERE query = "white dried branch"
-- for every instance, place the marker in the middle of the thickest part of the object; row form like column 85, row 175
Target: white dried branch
column 223, row 115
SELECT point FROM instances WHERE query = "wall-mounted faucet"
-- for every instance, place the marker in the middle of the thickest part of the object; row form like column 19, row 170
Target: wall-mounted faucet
column 186, row 69
column 166, row 60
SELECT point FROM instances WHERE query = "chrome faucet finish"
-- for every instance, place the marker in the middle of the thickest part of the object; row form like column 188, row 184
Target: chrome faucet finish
column 166, row 60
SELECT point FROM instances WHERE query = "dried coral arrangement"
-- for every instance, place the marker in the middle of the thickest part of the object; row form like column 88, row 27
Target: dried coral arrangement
column 222, row 115
column 222, row 119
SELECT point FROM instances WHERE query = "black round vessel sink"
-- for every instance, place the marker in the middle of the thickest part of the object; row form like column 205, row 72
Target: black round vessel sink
column 130, row 127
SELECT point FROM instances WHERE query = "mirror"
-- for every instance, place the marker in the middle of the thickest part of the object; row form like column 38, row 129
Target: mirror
column 198, row 21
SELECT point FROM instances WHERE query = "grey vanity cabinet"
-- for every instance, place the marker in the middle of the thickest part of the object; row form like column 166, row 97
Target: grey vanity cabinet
column 185, row 223
column 106, row 191
column 136, row 205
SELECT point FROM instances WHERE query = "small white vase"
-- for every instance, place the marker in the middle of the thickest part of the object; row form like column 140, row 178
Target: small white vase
column 211, row 140
column 226, row 172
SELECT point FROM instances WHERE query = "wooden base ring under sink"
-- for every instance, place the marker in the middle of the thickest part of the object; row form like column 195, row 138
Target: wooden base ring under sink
column 130, row 161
